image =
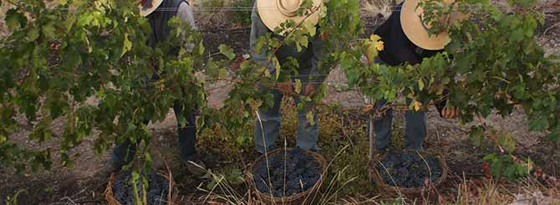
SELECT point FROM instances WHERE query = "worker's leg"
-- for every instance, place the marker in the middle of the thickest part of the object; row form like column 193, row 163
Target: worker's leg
column 416, row 129
column 307, row 131
column 267, row 124
column 382, row 124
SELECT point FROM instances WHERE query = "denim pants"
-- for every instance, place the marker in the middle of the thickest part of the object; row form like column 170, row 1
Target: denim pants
column 124, row 153
column 307, row 134
column 415, row 122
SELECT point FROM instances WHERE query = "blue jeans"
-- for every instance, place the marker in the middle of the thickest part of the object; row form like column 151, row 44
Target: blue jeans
column 124, row 153
column 415, row 130
column 270, row 118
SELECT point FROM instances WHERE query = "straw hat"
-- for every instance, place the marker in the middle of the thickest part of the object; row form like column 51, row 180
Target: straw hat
column 417, row 31
column 275, row 12
column 149, row 6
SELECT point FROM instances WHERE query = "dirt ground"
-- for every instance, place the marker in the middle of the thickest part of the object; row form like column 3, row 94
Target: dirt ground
column 76, row 186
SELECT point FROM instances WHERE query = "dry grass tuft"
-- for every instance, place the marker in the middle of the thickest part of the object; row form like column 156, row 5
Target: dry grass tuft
column 373, row 8
column 526, row 191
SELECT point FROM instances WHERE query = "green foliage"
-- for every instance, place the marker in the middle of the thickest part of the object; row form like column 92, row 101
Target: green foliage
column 501, row 66
column 57, row 59
column 13, row 198
column 60, row 57
column 226, row 51
column 492, row 63
column 230, row 175
column 251, row 79
column 242, row 15
column 505, row 166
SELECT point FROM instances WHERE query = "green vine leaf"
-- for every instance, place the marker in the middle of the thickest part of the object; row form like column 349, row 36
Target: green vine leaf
column 310, row 117
column 14, row 19
column 298, row 86
column 227, row 51
column 127, row 45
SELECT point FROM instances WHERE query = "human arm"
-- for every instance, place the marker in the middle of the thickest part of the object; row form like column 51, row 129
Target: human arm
column 186, row 14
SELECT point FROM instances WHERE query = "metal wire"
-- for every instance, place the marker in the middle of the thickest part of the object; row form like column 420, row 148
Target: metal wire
column 248, row 9
column 261, row 9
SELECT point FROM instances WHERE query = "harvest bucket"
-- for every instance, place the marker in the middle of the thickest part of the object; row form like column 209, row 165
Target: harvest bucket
column 376, row 177
column 305, row 197
column 111, row 200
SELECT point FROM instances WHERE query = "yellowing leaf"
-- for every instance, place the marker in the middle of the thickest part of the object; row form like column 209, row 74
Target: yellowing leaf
column 421, row 84
column 127, row 45
column 309, row 116
column 507, row 142
column 323, row 10
column 371, row 53
column 298, row 86
column 379, row 45
column 311, row 29
column 277, row 67
column 200, row 48
column 374, row 37
column 267, row 73
column 417, row 105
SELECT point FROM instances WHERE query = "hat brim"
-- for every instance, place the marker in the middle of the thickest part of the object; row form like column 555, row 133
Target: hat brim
column 415, row 30
column 148, row 11
column 272, row 17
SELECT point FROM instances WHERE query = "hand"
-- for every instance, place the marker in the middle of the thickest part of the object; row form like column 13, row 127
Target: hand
column 285, row 87
column 450, row 112
column 309, row 89
column 324, row 36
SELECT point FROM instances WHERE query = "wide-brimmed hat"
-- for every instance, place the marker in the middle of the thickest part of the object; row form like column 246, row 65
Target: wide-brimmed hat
column 149, row 6
column 275, row 12
column 417, row 31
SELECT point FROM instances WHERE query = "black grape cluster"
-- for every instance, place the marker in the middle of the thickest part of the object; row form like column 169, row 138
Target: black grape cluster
column 158, row 187
column 298, row 170
column 408, row 170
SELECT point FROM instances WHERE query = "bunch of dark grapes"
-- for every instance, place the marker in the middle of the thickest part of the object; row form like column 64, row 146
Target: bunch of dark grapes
column 291, row 172
column 408, row 170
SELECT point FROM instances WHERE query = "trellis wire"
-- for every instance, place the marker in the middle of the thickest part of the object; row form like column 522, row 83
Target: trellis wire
column 247, row 9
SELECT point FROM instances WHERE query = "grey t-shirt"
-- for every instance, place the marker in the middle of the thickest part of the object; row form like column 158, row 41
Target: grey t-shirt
column 185, row 13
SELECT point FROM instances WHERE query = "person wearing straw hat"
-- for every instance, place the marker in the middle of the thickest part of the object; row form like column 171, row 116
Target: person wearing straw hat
column 407, row 41
column 267, row 15
column 159, row 12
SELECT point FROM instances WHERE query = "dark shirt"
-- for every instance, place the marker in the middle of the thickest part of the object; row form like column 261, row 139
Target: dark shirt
column 398, row 49
column 160, row 17
column 308, row 58
column 159, row 24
